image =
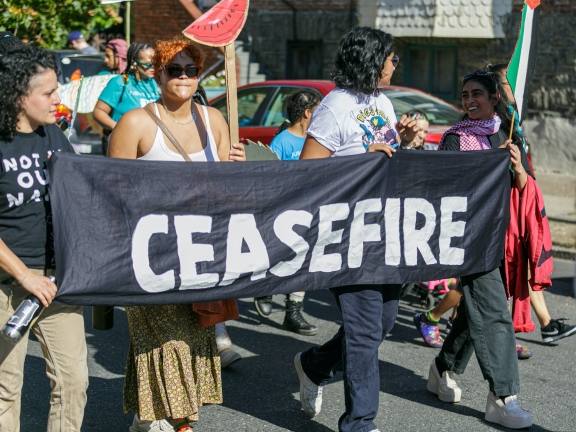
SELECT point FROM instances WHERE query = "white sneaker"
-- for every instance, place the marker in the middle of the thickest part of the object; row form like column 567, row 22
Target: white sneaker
column 509, row 414
column 154, row 426
column 444, row 386
column 310, row 393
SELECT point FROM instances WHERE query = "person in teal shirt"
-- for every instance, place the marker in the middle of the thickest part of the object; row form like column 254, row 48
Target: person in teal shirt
column 290, row 137
column 134, row 88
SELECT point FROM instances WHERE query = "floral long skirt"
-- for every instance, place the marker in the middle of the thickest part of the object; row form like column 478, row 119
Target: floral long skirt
column 173, row 365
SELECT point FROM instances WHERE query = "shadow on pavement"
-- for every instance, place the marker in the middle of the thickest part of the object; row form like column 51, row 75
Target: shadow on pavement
column 263, row 386
column 109, row 347
column 404, row 383
column 562, row 286
column 104, row 407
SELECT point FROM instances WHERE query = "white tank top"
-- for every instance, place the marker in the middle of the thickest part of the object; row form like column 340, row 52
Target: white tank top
column 161, row 152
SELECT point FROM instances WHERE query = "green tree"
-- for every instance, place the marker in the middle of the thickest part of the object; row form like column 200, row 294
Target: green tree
column 48, row 22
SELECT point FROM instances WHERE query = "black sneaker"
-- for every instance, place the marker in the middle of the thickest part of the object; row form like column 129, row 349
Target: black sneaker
column 557, row 330
column 263, row 306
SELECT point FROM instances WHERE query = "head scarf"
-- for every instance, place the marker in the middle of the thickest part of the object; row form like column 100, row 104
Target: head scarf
column 119, row 48
column 474, row 133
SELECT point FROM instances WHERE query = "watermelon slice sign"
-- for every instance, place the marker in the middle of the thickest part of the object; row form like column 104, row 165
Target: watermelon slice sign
column 221, row 25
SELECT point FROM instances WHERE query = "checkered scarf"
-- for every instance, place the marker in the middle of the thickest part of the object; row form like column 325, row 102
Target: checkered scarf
column 474, row 133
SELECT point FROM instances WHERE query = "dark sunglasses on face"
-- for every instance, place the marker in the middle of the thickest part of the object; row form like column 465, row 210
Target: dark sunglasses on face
column 395, row 60
column 177, row 71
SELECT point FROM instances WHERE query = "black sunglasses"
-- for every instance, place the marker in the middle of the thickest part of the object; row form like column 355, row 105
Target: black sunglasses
column 177, row 71
column 395, row 60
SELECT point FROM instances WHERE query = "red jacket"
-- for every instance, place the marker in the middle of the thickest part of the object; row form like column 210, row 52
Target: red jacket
column 528, row 242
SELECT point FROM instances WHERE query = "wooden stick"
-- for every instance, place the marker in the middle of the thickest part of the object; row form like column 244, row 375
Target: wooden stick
column 128, row 7
column 231, row 93
column 512, row 124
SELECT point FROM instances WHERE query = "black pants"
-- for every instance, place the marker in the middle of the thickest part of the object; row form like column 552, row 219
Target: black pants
column 484, row 325
column 368, row 314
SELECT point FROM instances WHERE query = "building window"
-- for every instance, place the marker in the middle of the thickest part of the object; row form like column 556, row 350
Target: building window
column 304, row 60
column 431, row 68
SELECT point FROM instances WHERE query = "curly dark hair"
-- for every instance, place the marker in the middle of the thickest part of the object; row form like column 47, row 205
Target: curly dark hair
column 132, row 57
column 17, row 69
column 9, row 42
column 492, row 82
column 360, row 59
column 296, row 104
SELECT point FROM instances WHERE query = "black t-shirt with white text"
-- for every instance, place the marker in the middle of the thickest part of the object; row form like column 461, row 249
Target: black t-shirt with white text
column 25, row 214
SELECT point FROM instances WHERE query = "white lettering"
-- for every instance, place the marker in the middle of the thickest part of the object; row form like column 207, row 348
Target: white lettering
column 283, row 229
column 13, row 201
column 449, row 229
column 392, row 224
column 330, row 262
column 191, row 253
column 10, row 164
column 242, row 228
column 417, row 240
column 145, row 276
column 361, row 233
column 25, row 162
column 35, row 196
column 36, row 156
column 39, row 178
column 25, row 180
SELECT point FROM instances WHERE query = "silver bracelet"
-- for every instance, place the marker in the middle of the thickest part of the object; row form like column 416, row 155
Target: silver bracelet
column 27, row 274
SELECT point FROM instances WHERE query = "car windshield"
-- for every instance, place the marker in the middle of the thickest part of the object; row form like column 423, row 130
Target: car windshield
column 87, row 66
column 437, row 111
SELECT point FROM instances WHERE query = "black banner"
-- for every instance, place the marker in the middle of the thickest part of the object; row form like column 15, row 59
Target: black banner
column 141, row 232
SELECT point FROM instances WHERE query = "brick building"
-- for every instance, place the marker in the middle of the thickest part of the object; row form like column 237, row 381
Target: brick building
column 290, row 39
column 298, row 38
column 438, row 40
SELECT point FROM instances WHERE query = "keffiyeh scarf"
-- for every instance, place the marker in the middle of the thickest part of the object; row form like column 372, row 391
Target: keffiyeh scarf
column 474, row 133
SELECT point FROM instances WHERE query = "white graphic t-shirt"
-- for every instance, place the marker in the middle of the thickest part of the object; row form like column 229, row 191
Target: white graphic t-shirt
column 347, row 123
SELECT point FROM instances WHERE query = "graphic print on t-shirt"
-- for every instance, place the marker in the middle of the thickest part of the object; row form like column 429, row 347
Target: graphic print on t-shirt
column 29, row 176
column 377, row 127
column 25, row 215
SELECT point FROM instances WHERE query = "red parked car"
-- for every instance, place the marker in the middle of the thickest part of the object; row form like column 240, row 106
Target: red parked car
column 261, row 107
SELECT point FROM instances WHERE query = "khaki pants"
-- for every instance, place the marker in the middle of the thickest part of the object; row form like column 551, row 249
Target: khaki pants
column 60, row 330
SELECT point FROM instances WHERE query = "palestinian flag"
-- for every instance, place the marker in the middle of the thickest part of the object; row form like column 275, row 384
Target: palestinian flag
column 521, row 67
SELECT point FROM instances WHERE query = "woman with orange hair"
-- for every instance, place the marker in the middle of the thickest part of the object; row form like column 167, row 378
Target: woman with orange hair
column 173, row 366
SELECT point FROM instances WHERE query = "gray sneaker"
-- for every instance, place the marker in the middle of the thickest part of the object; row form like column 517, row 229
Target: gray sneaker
column 310, row 393
column 556, row 329
column 147, row 426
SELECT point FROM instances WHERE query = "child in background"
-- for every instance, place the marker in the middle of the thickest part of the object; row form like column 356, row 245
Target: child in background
column 422, row 121
column 287, row 144
column 290, row 137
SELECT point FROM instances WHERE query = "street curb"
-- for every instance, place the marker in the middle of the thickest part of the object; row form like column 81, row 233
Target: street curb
column 564, row 253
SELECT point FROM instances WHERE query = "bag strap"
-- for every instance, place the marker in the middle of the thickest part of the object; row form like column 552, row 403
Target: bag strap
column 148, row 108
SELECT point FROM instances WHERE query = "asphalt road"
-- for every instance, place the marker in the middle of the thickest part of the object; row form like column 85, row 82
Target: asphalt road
column 261, row 391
